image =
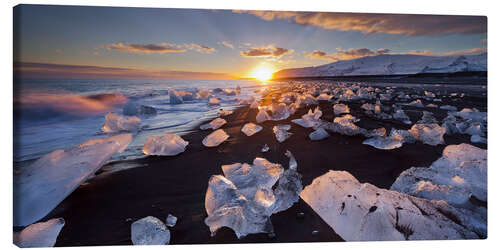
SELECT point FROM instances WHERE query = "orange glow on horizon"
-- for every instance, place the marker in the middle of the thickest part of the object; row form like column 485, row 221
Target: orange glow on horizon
column 263, row 72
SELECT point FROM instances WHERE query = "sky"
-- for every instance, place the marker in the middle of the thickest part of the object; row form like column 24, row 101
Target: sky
column 113, row 42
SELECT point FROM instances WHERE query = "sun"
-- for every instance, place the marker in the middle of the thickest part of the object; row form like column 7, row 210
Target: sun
column 263, row 73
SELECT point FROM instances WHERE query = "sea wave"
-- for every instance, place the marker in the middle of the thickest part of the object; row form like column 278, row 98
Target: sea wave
column 35, row 105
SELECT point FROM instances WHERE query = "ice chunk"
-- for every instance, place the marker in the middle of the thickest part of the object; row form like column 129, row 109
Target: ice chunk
column 213, row 101
column 345, row 119
column 264, row 149
column 472, row 114
column 458, row 174
column 41, row 234
column 215, row 138
column 117, row 123
column 384, row 142
column 292, row 163
column 431, row 134
column 214, row 124
column 279, row 111
column 169, row 144
column 399, row 114
column 249, row 178
column 175, row 98
column 431, row 105
column 427, row 117
column 289, row 187
column 41, row 186
column 250, row 129
column 311, row 119
column 402, row 135
column 171, row 220
column 478, row 139
column 340, row 109
column 254, row 104
column 187, row 96
column 280, row 131
column 149, row 231
column 318, row 134
column 262, row 116
column 203, row 94
column 324, row 97
column 374, row 132
column 448, row 107
column 133, row 108
column 222, row 112
column 363, row 212
column 243, row 199
column 227, row 207
column 416, row 103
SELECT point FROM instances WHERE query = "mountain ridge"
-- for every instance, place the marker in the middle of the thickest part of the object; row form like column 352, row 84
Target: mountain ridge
column 391, row 64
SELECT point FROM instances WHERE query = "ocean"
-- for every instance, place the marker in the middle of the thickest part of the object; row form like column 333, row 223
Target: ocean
column 52, row 114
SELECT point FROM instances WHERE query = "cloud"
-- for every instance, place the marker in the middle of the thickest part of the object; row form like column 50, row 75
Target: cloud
column 227, row 44
column 358, row 53
column 403, row 24
column 345, row 54
column 48, row 70
column 472, row 51
column 145, row 48
column 200, row 48
column 266, row 51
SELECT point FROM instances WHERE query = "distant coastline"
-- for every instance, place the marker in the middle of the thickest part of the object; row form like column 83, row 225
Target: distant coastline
column 471, row 77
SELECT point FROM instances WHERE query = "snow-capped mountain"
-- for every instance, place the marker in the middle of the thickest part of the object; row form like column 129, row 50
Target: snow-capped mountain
column 391, row 64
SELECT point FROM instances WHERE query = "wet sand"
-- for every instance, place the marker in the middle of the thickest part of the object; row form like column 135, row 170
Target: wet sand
column 101, row 211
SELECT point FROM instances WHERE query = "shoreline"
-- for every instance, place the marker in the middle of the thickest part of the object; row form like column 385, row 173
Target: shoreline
column 101, row 211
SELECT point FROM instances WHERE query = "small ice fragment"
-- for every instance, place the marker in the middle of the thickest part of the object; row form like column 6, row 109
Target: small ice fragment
column 383, row 142
column 318, row 134
column 264, row 149
column 133, row 108
column 448, row 107
column 250, row 129
column 431, row 105
column 262, row 116
column 41, row 234
column 169, row 144
column 416, row 103
column 214, row 124
column 478, row 139
column 399, row 114
column 117, row 123
column 281, row 133
column 149, row 231
column 213, row 101
column 215, row 138
column 324, row 97
column 171, row 220
column 340, row 109
column 222, row 112
column 203, row 94
column 427, row 117
column 175, row 98
column 292, row 164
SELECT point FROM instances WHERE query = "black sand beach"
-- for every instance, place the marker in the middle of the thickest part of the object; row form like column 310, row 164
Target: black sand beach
column 101, row 211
